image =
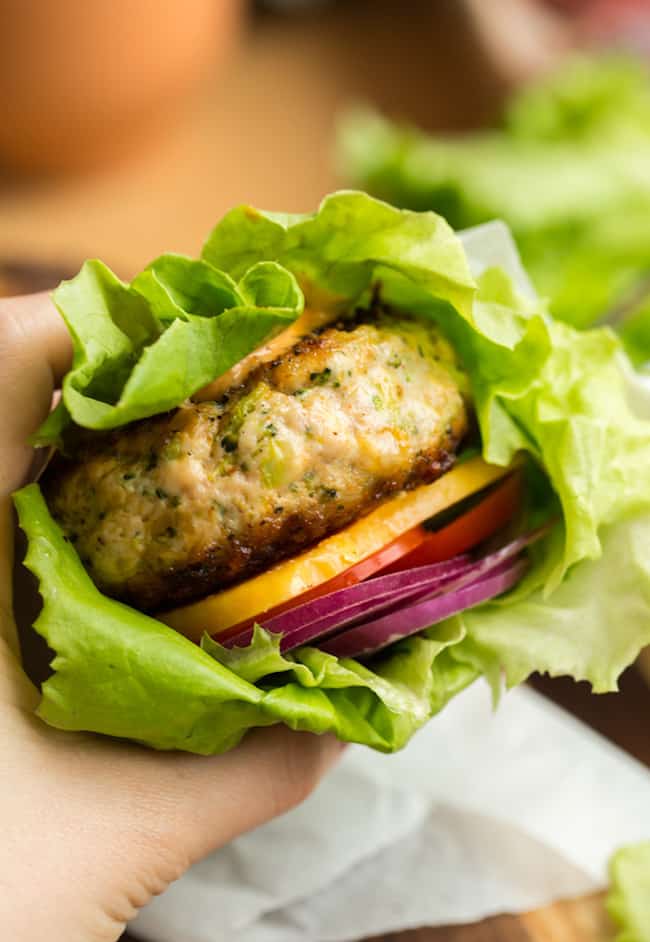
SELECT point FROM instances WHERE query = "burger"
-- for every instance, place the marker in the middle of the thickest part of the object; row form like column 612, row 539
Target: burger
column 328, row 474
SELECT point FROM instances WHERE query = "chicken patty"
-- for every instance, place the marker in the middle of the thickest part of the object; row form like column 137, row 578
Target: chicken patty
column 171, row 508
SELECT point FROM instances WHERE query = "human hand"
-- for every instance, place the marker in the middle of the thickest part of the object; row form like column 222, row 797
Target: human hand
column 92, row 828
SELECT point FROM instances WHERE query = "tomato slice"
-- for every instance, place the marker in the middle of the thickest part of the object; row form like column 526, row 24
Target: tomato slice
column 416, row 547
column 468, row 530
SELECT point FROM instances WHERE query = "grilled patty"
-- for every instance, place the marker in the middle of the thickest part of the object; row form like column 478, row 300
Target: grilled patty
column 168, row 509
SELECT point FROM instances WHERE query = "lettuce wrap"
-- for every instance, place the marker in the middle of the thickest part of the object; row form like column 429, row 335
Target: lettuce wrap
column 540, row 388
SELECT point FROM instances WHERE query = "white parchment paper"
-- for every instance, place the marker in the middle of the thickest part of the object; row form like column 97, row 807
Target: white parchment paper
column 482, row 813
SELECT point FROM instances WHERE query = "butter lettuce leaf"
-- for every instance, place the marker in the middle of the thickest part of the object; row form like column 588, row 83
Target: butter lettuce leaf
column 339, row 252
column 143, row 348
column 628, row 901
column 591, row 627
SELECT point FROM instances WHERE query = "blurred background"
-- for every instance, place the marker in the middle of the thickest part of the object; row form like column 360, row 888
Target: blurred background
column 129, row 128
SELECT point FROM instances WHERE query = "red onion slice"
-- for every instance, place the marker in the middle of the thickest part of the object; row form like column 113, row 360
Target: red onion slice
column 374, row 635
column 382, row 597
column 329, row 612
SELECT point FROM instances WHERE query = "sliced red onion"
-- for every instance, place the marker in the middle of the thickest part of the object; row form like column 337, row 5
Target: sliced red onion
column 383, row 596
column 372, row 636
column 336, row 609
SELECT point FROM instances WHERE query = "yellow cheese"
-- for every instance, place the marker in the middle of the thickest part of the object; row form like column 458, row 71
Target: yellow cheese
column 332, row 555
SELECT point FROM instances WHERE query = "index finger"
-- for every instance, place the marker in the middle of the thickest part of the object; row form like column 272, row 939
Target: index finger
column 35, row 352
column 32, row 327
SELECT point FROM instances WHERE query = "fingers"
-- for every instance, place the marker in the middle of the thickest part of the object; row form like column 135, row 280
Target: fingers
column 176, row 808
column 132, row 820
column 186, row 806
column 210, row 801
column 38, row 326
column 271, row 772
column 35, row 351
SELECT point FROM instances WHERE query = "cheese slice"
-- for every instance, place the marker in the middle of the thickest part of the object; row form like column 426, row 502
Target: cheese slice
column 332, row 555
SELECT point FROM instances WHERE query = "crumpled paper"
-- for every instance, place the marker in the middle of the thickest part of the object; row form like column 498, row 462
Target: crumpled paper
column 483, row 812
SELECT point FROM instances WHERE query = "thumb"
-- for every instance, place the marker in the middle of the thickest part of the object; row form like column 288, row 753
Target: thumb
column 213, row 800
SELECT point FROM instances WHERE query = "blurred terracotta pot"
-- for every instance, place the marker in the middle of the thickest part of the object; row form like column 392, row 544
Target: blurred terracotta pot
column 83, row 82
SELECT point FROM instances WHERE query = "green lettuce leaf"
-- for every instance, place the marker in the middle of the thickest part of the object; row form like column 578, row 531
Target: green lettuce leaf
column 591, row 627
column 568, row 170
column 350, row 243
column 538, row 386
column 123, row 673
column 561, row 395
column 628, row 902
column 143, row 348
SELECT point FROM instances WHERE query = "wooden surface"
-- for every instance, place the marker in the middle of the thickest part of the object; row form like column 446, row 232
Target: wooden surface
column 263, row 134
column 572, row 921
